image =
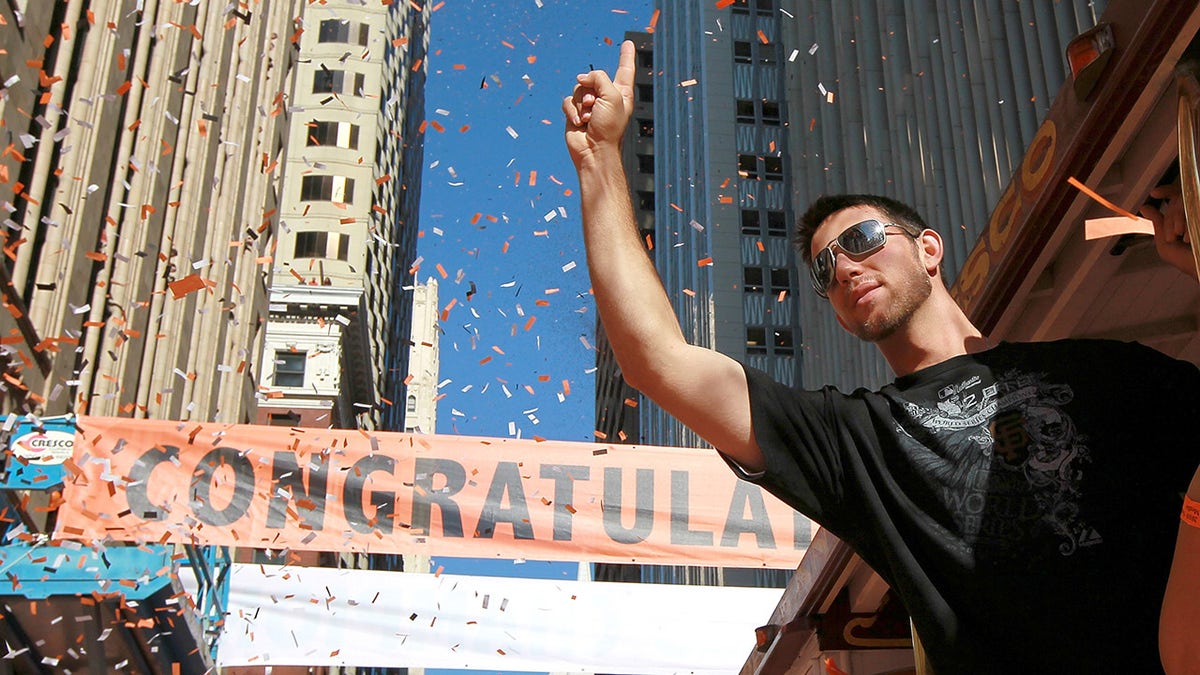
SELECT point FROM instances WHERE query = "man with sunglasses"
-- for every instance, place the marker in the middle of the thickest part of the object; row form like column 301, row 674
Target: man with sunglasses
column 1022, row 500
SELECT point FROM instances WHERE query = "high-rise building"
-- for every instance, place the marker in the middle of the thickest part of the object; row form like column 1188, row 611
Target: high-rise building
column 337, row 340
column 210, row 213
column 420, row 414
column 140, row 211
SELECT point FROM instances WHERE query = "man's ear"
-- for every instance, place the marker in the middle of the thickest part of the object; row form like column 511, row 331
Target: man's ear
column 932, row 250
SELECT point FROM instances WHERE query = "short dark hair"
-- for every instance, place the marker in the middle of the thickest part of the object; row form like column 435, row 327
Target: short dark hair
column 898, row 212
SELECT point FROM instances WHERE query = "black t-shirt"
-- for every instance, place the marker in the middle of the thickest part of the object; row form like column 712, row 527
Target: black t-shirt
column 1023, row 502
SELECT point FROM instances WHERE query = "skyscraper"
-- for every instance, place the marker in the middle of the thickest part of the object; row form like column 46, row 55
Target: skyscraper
column 337, row 342
column 210, row 215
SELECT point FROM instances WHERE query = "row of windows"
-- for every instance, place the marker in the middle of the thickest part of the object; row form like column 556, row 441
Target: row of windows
column 764, row 111
column 772, row 280
column 327, row 189
column 328, row 81
column 341, row 31
column 751, row 167
column 340, row 134
column 777, row 341
column 761, row 7
column 754, row 220
column 320, row 244
column 745, row 51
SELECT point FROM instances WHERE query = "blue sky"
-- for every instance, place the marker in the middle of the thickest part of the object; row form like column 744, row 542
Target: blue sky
column 509, row 241
column 500, row 69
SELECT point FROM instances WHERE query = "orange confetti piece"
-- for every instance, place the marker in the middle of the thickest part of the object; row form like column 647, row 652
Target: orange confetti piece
column 653, row 21
column 441, row 270
column 762, row 37
column 463, row 128
column 704, row 262
column 722, row 4
column 459, row 66
column 566, row 384
column 186, row 285
column 530, row 322
column 1096, row 196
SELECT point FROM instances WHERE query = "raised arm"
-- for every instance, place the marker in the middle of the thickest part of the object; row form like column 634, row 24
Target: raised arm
column 704, row 389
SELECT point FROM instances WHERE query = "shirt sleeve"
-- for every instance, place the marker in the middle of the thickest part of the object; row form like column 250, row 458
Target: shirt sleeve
column 797, row 435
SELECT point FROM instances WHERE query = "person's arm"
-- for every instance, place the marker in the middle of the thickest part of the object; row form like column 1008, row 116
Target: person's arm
column 1179, row 626
column 702, row 388
column 1170, row 228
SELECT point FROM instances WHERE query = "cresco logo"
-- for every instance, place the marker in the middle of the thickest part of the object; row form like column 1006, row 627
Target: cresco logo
column 50, row 447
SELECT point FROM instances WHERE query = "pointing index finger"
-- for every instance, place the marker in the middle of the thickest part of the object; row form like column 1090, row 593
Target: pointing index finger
column 624, row 74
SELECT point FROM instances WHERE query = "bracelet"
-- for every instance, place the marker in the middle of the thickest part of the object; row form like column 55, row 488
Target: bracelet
column 1191, row 512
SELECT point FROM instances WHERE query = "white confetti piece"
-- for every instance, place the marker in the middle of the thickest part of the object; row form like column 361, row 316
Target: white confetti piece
column 569, row 266
column 511, row 132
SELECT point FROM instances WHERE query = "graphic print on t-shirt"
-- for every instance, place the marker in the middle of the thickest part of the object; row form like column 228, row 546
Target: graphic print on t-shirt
column 1008, row 461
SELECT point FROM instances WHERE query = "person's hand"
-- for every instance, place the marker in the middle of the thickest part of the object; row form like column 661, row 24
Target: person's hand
column 1170, row 228
column 599, row 108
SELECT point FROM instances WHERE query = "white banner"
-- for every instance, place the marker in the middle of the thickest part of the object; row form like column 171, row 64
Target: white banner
column 330, row 617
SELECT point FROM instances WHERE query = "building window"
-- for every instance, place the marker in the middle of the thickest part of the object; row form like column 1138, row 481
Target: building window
column 340, row 134
column 782, row 342
column 311, row 244
column 645, row 200
column 752, row 279
column 776, row 224
column 748, row 167
column 770, row 113
column 360, row 81
column 326, row 81
column 742, row 52
column 645, row 58
column 315, row 244
column 756, row 340
column 740, row 7
column 289, row 368
column 364, row 34
column 334, row 30
column 751, row 222
column 327, row 189
column 645, row 163
column 411, row 407
column 766, row 53
column 773, row 168
column 745, row 111
column 781, row 280
column 764, row 7
column 645, row 128
column 645, row 93
column 287, row 419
